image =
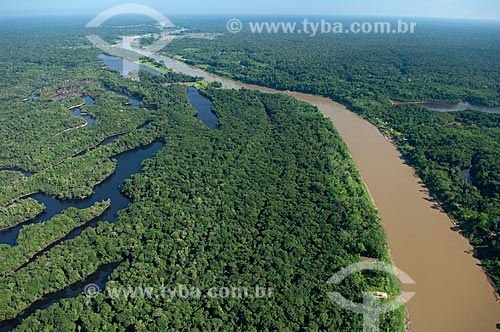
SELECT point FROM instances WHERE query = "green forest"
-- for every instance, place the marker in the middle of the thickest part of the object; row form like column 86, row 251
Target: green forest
column 455, row 153
column 270, row 198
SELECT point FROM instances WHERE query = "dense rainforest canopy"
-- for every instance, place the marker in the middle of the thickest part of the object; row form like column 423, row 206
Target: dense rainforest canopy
column 270, row 198
column 457, row 154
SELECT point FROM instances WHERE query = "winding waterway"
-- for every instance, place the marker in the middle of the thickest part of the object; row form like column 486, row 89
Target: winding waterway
column 99, row 278
column 78, row 111
column 128, row 163
column 452, row 291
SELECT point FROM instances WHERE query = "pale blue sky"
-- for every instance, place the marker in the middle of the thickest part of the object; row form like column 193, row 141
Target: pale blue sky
column 472, row 9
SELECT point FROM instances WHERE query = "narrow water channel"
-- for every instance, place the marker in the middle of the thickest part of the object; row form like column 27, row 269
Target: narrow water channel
column 124, row 66
column 133, row 102
column 99, row 278
column 86, row 117
column 203, row 106
column 128, row 163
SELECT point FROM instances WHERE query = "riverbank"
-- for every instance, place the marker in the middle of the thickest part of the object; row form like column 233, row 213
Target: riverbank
column 127, row 163
column 76, row 106
column 98, row 278
column 452, row 292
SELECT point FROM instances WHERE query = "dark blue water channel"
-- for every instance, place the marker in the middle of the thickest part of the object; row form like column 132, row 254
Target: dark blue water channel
column 133, row 102
column 129, row 163
column 204, row 107
column 99, row 278
column 124, row 66
column 199, row 102
column 78, row 111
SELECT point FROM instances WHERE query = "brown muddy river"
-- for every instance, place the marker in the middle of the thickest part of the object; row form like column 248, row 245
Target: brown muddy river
column 452, row 292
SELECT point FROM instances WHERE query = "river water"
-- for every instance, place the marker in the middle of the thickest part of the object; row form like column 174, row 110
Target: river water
column 452, row 291
column 203, row 106
column 133, row 102
column 99, row 278
column 125, row 67
column 128, row 163
column 78, row 111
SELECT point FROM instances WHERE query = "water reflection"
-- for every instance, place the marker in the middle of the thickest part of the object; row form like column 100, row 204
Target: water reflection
column 128, row 163
column 125, row 67
column 204, row 107
column 99, row 278
column 85, row 116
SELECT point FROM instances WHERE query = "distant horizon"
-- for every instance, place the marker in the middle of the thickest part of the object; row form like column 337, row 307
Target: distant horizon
column 481, row 10
column 251, row 15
